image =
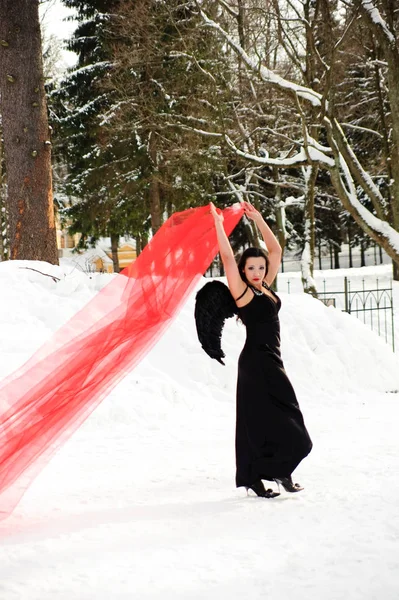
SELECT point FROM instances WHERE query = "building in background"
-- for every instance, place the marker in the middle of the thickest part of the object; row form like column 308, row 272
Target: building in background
column 97, row 259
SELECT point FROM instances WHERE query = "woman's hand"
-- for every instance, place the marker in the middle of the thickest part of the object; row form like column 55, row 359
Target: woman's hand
column 218, row 217
column 251, row 212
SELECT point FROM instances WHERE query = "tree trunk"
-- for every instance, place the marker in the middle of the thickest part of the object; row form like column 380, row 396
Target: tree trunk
column 319, row 247
column 138, row 244
column 385, row 34
column 350, row 245
column 2, row 202
column 243, row 42
column 26, row 133
column 154, row 191
column 362, row 255
column 114, row 250
column 376, row 233
column 336, row 257
column 393, row 81
column 155, row 204
column 279, row 213
column 144, row 241
column 393, row 93
column 395, row 270
column 221, row 267
column 307, row 258
column 386, row 144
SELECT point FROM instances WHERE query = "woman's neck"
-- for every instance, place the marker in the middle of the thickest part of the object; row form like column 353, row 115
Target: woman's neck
column 258, row 286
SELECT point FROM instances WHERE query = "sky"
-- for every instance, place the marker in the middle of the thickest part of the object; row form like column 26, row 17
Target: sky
column 141, row 501
column 54, row 15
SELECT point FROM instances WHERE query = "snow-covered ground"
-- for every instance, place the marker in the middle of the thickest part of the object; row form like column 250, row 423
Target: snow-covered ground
column 141, row 503
column 368, row 287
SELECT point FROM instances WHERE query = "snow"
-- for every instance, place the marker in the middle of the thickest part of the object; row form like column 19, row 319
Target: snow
column 364, row 174
column 375, row 16
column 87, row 69
column 298, row 158
column 141, row 503
column 382, row 227
column 318, row 156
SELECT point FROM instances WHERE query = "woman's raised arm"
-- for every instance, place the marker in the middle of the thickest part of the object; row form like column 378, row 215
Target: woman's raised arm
column 236, row 284
column 272, row 245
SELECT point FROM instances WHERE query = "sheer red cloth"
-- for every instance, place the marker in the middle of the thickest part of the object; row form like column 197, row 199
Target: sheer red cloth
column 50, row 396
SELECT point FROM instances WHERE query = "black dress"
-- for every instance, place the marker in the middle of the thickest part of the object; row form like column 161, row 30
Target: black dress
column 271, row 437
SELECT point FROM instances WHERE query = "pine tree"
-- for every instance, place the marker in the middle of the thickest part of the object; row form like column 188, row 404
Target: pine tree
column 96, row 208
column 163, row 97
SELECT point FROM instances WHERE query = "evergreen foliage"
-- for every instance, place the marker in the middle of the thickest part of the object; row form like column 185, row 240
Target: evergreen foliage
column 98, row 205
column 125, row 118
column 161, row 114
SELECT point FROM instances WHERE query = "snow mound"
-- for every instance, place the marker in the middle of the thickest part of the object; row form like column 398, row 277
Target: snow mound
column 325, row 351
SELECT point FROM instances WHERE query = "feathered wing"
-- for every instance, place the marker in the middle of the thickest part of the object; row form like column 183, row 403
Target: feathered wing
column 213, row 305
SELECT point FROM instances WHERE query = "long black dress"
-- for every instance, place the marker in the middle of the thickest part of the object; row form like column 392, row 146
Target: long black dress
column 271, row 437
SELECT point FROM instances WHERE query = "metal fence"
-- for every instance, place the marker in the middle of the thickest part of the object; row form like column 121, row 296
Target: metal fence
column 373, row 306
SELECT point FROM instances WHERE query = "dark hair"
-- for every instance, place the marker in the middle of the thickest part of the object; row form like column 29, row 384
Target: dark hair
column 251, row 253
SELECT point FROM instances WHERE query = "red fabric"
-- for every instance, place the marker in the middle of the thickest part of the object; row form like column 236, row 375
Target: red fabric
column 46, row 400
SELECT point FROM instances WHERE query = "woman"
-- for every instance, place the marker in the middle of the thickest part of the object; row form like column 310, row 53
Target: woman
column 271, row 438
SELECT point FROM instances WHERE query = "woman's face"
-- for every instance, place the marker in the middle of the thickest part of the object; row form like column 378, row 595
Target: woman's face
column 255, row 269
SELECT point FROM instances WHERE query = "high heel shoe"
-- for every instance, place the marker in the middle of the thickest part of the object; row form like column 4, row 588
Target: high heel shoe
column 260, row 490
column 287, row 484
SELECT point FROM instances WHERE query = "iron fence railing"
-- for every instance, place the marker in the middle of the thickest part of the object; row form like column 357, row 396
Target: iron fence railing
column 373, row 305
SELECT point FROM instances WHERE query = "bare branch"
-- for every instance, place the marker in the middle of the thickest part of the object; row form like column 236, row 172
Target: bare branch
column 229, row 9
column 300, row 159
column 264, row 73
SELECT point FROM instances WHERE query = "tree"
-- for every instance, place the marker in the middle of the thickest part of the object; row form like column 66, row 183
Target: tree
column 27, row 144
column 332, row 151
column 162, row 96
column 382, row 19
column 3, row 208
column 88, row 184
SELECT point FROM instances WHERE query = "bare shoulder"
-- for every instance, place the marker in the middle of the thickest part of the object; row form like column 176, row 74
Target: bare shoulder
column 245, row 297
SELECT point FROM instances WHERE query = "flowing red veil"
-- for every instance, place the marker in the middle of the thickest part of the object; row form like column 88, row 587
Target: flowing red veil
column 49, row 397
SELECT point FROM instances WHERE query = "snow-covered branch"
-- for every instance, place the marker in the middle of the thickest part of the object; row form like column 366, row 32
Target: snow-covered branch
column 373, row 222
column 264, row 73
column 300, row 158
column 361, row 175
column 364, row 129
column 373, row 17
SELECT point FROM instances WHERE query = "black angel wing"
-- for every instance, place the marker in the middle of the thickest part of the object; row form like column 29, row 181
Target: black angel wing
column 213, row 305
